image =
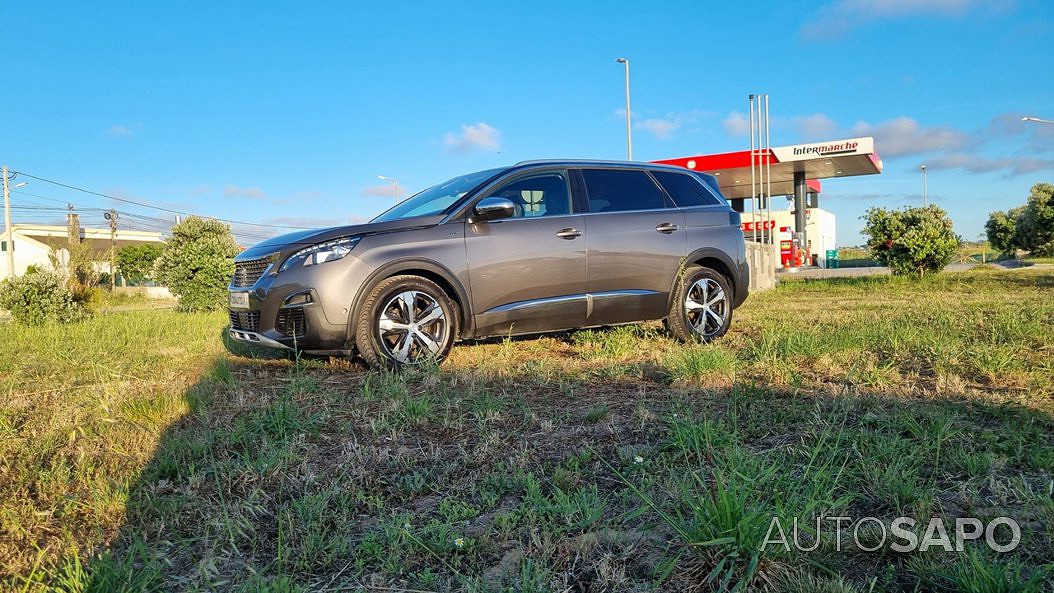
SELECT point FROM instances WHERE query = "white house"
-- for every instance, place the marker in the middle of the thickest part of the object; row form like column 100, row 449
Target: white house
column 34, row 242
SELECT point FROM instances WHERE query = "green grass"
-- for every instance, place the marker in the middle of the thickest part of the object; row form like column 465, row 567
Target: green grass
column 139, row 452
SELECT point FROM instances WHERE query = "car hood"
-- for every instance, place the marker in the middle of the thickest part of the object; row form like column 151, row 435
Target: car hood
column 299, row 239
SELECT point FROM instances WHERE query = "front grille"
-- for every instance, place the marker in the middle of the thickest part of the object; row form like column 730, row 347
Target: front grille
column 291, row 322
column 245, row 320
column 246, row 273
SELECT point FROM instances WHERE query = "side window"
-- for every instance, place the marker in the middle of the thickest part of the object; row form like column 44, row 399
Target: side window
column 686, row 190
column 618, row 191
column 544, row 194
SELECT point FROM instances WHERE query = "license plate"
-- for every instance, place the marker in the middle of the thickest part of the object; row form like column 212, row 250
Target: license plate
column 239, row 300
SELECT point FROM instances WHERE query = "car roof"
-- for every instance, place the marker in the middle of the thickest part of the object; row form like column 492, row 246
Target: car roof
column 600, row 163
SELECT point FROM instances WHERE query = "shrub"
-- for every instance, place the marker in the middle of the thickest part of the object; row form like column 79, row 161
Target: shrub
column 38, row 298
column 136, row 262
column 1001, row 230
column 197, row 263
column 1035, row 225
column 80, row 276
column 912, row 240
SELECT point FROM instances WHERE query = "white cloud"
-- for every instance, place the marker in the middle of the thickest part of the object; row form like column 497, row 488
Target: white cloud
column 1008, row 126
column 837, row 18
column 903, row 136
column 480, row 136
column 120, row 131
column 303, row 221
column 815, row 127
column 662, row 128
column 736, row 124
column 386, row 190
column 253, row 193
column 976, row 163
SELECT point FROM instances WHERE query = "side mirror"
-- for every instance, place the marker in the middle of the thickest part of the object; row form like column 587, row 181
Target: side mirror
column 493, row 208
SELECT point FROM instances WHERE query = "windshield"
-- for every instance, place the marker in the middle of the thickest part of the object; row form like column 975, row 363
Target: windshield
column 438, row 198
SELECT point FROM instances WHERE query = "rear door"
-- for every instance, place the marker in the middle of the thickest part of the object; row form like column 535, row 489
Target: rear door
column 527, row 273
column 635, row 242
column 700, row 206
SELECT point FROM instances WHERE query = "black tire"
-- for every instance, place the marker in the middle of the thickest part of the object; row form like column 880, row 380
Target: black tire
column 387, row 304
column 700, row 323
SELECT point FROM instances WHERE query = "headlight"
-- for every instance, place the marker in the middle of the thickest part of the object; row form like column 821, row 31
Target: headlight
column 321, row 253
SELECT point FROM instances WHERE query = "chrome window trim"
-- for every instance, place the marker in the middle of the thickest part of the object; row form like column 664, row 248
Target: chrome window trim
column 569, row 298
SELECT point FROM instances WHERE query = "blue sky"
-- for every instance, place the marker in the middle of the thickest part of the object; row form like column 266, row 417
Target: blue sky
column 285, row 113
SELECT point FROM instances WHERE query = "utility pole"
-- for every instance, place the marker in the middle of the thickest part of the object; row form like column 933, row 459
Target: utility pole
column 112, row 217
column 7, row 228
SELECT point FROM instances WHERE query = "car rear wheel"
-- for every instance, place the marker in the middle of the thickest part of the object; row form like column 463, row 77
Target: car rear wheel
column 406, row 321
column 702, row 306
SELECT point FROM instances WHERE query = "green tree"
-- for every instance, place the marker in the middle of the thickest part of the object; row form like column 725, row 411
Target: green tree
column 197, row 263
column 136, row 262
column 1001, row 230
column 1035, row 225
column 912, row 240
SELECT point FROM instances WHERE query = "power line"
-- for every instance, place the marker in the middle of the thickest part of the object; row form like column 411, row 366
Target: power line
column 145, row 205
column 148, row 223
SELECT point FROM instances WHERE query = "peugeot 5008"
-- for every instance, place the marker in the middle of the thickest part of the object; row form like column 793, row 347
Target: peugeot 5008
column 536, row 247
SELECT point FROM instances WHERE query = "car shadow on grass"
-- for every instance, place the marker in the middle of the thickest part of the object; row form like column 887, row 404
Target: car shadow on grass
column 305, row 475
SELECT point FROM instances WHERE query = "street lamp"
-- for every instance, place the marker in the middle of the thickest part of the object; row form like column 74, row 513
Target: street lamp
column 925, row 187
column 629, row 129
column 1037, row 120
column 395, row 182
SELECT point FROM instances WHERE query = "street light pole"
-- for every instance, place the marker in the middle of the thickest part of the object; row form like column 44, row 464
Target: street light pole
column 1037, row 120
column 925, row 187
column 629, row 126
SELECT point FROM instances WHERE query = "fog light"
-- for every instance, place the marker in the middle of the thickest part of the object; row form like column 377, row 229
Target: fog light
column 300, row 298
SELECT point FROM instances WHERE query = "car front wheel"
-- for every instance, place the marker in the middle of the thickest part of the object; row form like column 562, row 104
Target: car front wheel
column 701, row 307
column 405, row 321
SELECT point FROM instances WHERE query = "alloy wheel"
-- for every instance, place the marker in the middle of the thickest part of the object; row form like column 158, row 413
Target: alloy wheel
column 412, row 327
column 706, row 307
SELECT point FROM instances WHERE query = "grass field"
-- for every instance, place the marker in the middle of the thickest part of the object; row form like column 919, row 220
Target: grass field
column 138, row 454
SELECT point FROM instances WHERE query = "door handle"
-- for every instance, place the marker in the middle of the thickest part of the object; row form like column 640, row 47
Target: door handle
column 569, row 233
column 666, row 227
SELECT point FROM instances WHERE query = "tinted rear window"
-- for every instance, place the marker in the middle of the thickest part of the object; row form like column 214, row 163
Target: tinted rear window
column 619, row 191
column 686, row 190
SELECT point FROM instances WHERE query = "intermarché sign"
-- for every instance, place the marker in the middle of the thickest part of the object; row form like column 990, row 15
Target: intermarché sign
column 826, row 149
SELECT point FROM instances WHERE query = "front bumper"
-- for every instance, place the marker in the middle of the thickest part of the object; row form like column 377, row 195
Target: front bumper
column 286, row 311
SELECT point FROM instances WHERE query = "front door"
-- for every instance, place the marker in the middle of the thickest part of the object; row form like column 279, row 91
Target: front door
column 636, row 244
column 527, row 273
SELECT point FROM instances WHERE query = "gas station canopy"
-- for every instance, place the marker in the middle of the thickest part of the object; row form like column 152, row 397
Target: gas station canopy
column 821, row 160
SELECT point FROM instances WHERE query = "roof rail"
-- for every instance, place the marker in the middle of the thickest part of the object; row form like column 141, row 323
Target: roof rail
column 595, row 162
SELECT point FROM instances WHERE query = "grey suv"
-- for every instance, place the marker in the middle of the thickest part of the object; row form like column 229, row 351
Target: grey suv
column 537, row 247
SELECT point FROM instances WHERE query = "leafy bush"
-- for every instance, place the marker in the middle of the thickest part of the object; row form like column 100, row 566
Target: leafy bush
column 136, row 262
column 197, row 263
column 1001, row 230
column 80, row 276
column 912, row 240
column 1035, row 225
column 38, row 298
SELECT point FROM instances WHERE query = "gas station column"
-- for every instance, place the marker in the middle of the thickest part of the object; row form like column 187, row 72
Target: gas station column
column 800, row 189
